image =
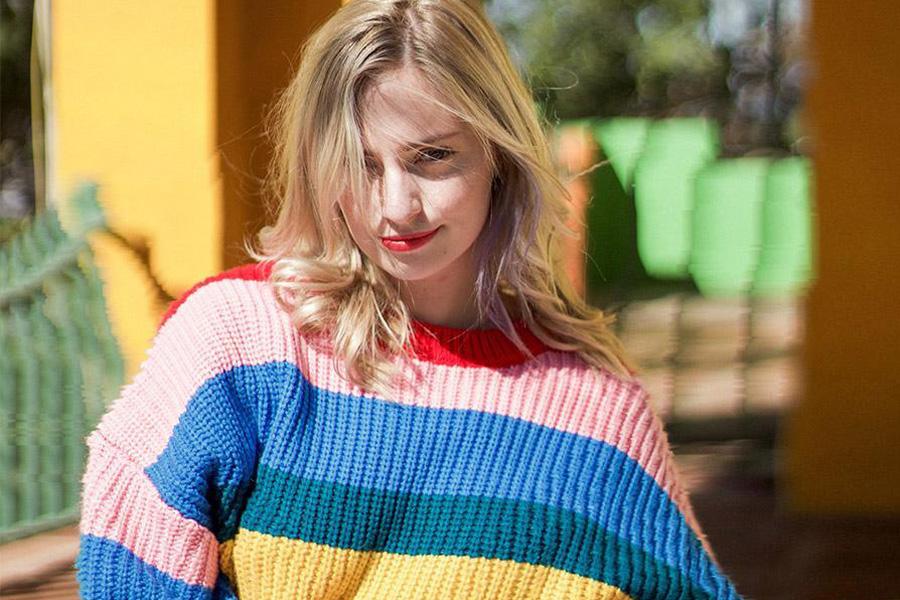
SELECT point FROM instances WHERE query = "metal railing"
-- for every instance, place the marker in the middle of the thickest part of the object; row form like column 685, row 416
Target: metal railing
column 59, row 366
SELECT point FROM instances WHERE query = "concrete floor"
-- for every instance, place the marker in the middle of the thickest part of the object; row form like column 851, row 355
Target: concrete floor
column 771, row 554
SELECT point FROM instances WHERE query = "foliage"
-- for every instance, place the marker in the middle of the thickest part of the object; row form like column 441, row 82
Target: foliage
column 713, row 58
column 16, row 167
column 612, row 57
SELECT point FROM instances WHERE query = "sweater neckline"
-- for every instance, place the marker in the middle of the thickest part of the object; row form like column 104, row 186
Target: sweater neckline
column 444, row 345
column 437, row 344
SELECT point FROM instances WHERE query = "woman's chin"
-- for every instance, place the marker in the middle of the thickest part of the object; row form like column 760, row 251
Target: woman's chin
column 410, row 275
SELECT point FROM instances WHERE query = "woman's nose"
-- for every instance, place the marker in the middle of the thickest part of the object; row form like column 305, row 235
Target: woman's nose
column 400, row 195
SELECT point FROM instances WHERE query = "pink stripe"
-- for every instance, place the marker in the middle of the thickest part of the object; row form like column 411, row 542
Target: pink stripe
column 200, row 341
column 556, row 390
column 121, row 504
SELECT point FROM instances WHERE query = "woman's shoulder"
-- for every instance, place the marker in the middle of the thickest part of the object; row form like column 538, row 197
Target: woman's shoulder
column 572, row 365
column 237, row 283
column 235, row 310
column 569, row 378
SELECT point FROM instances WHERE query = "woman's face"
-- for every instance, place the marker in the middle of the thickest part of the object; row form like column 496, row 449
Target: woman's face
column 429, row 186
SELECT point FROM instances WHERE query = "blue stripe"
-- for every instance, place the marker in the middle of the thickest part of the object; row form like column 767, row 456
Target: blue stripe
column 210, row 458
column 106, row 569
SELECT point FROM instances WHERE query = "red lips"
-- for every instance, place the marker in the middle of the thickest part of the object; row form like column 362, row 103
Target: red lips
column 405, row 243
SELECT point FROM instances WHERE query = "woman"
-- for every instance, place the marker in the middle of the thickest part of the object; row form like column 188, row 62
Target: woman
column 401, row 398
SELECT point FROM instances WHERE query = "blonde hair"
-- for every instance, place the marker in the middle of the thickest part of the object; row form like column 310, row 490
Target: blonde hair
column 323, row 279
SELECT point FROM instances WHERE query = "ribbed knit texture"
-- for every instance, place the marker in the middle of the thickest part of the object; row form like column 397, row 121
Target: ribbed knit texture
column 237, row 463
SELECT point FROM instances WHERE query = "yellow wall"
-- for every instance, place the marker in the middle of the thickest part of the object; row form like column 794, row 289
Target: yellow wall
column 134, row 110
column 161, row 104
column 843, row 452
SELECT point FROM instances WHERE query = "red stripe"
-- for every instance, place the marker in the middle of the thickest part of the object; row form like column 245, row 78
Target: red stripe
column 472, row 348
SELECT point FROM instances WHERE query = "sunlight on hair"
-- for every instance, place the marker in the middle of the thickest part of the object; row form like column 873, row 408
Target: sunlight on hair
column 325, row 281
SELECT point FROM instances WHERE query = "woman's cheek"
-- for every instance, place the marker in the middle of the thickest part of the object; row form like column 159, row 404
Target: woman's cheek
column 355, row 224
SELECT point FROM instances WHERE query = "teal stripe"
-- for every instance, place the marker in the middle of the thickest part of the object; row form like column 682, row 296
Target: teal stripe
column 363, row 519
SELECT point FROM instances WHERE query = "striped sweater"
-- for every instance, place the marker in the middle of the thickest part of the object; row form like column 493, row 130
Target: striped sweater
column 238, row 463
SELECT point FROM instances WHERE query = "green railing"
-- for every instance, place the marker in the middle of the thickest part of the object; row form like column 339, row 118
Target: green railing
column 59, row 366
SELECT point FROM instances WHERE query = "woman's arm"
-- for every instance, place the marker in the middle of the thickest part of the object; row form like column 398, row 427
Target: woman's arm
column 169, row 465
column 684, row 542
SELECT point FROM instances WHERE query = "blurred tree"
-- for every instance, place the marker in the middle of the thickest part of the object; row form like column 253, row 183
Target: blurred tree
column 611, row 57
column 714, row 58
column 16, row 165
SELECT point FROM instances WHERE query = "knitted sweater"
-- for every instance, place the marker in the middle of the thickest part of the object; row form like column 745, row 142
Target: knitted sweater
column 237, row 463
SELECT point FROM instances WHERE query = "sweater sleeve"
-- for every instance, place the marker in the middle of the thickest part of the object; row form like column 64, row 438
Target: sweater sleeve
column 168, row 466
column 693, row 556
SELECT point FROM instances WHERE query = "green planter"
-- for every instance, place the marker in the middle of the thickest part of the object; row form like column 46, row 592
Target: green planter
column 675, row 150
column 727, row 225
column 612, row 262
column 785, row 260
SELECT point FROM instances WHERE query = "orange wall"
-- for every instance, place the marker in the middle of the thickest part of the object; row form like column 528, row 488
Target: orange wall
column 257, row 52
column 843, row 452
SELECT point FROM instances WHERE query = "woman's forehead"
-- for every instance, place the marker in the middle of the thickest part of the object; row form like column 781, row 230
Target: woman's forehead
column 401, row 109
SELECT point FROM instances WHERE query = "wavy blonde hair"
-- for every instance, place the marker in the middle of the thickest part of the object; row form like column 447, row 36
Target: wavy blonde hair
column 323, row 279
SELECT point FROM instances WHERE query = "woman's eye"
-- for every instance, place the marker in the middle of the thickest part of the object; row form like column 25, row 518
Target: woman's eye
column 435, row 154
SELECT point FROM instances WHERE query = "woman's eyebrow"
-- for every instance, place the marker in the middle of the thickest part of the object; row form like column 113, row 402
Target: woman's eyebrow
column 425, row 142
column 435, row 138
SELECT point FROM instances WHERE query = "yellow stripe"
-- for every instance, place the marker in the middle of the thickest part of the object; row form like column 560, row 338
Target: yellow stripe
column 277, row 568
column 226, row 558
